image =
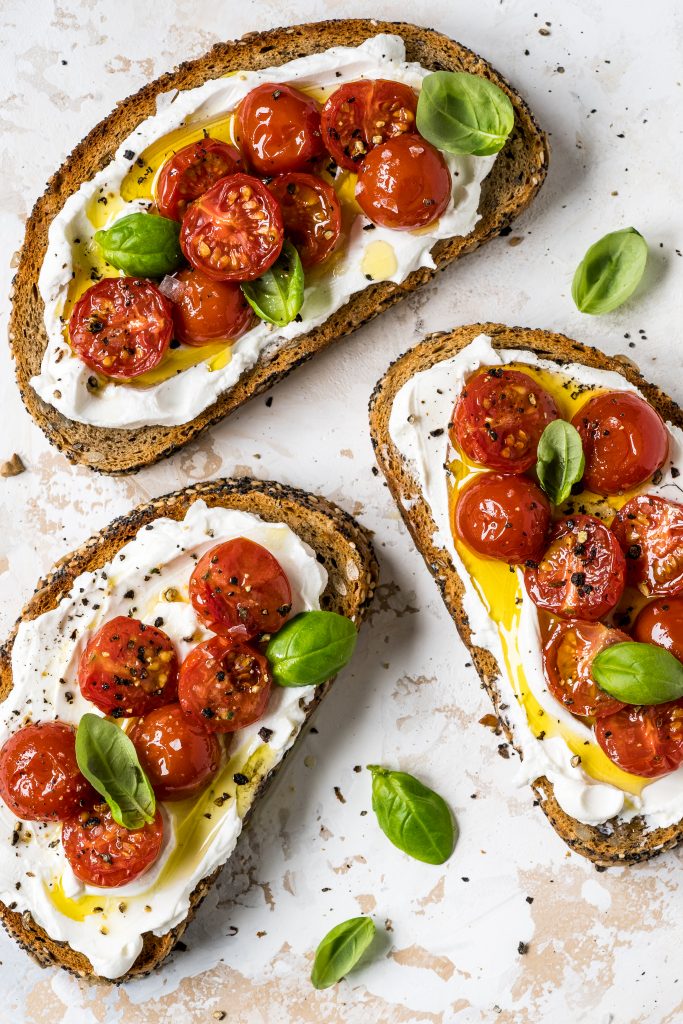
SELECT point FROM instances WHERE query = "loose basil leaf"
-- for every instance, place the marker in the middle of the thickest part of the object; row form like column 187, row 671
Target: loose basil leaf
column 340, row 951
column 610, row 272
column 412, row 816
column 464, row 113
column 142, row 245
column 638, row 673
column 110, row 763
column 311, row 648
column 560, row 460
column 278, row 295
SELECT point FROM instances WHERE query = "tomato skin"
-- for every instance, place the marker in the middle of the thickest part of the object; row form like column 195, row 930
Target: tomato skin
column 568, row 653
column 624, row 441
column 403, row 184
column 645, row 741
column 661, row 622
column 311, row 213
column 650, row 531
column 499, row 418
column 278, row 128
column 104, row 853
column 224, row 684
column 360, row 115
column 39, row 776
column 209, row 310
column 191, row 171
column 503, row 517
column 582, row 573
column 121, row 327
column 178, row 758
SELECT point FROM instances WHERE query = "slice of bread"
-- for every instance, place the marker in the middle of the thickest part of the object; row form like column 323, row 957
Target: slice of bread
column 341, row 545
column 623, row 842
column 516, row 176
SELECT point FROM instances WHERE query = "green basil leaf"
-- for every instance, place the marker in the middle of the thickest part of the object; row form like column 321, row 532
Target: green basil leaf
column 340, row 950
column 278, row 295
column 142, row 245
column 311, row 648
column 560, row 461
column 610, row 272
column 412, row 816
column 110, row 763
column 638, row 673
column 464, row 113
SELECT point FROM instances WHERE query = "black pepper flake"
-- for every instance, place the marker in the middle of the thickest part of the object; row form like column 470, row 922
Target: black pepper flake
column 128, row 154
column 522, row 948
column 239, row 779
column 265, row 734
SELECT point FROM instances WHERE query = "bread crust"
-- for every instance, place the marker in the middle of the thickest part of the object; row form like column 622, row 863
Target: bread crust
column 516, row 177
column 617, row 842
column 343, row 547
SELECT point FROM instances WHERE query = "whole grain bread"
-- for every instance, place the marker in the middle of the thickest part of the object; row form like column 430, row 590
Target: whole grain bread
column 616, row 842
column 341, row 545
column 517, row 175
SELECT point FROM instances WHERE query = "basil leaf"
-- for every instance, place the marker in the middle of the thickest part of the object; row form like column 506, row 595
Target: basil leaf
column 278, row 295
column 142, row 245
column 412, row 816
column 340, row 950
column 610, row 272
column 560, row 461
column 464, row 113
column 638, row 673
column 311, row 648
column 110, row 763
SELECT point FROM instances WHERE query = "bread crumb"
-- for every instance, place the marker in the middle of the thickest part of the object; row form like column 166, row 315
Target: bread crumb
column 13, row 466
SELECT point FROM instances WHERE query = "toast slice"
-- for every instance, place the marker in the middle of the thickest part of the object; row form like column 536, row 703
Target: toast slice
column 342, row 546
column 628, row 842
column 516, row 177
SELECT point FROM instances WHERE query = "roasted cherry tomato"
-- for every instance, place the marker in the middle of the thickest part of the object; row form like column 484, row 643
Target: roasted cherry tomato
column 582, row 573
column 191, row 172
column 239, row 589
column 121, row 327
column 645, row 741
column 311, row 214
column 661, row 623
column 403, row 184
column 568, row 656
column 128, row 668
column 360, row 115
column 624, row 441
column 278, row 128
column 234, row 232
column 499, row 418
column 39, row 776
column 205, row 310
column 224, row 684
column 104, row 853
column 650, row 531
column 504, row 517
column 178, row 757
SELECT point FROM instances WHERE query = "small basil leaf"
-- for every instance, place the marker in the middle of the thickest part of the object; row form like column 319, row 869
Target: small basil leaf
column 464, row 113
column 278, row 295
column 340, row 951
column 142, row 245
column 110, row 763
column 311, row 648
column 638, row 673
column 560, row 460
column 610, row 272
column 412, row 816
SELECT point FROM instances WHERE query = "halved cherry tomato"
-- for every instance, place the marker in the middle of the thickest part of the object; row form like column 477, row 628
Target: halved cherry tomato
column 39, row 776
column 650, row 531
column 234, row 232
column 178, row 757
column 661, row 623
column 568, row 654
column 645, row 741
column 128, row 668
column 278, row 128
column 499, row 418
column 191, row 171
column 121, row 327
column 582, row 573
column 624, row 441
column 239, row 589
column 504, row 517
column 206, row 310
column 101, row 852
column 311, row 214
column 360, row 115
column 403, row 184
column 224, row 684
